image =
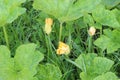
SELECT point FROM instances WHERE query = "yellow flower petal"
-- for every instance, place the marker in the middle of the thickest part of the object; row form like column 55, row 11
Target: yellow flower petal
column 48, row 24
column 48, row 21
column 48, row 29
column 63, row 49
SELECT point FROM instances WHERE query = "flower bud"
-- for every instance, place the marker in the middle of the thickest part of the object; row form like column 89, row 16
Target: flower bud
column 48, row 25
column 63, row 49
column 92, row 31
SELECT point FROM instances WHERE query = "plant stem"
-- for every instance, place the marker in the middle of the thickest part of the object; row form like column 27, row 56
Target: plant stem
column 50, row 44
column 69, row 38
column 6, row 36
column 90, row 44
column 60, row 33
column 48, row 49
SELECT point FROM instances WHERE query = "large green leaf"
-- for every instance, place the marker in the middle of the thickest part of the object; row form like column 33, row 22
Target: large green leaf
column 109, row 41
column 85, row 61
column 6, row 64
column 102, row 65
column 92, row 66
column 22, row 66
column 48, row 72
column 107, row 76
column 27, row 56
column 117, row 13
column 66, row 10
column 10, row 10
column 88, row 19
column 110, row 3
column 105, row 17
column 85, row 76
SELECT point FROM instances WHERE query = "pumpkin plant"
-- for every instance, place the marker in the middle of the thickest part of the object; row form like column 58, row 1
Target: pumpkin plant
column 9, row 11
column 22, row 66
column 94, row 67
column 65, row 10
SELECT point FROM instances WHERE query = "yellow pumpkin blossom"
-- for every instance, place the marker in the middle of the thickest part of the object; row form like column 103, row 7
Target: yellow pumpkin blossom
column 63, row 48
column 48, row 25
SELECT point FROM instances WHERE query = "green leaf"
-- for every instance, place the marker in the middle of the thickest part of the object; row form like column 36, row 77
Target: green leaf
column 10, row 10
column 105, row 17
column 98, row 25
column 85, row 76
column 28, row 56
column 22, row 66
column 102, row 42
column 85, row 61
column 92, row 66
column 109, row 41
column 48, row 72
column 102, row 65
column 107, row 76
column 88, row 19
column 65, row 10
column 80, row 23
column 117, row 13
column 110, row 3
column 6, row 64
